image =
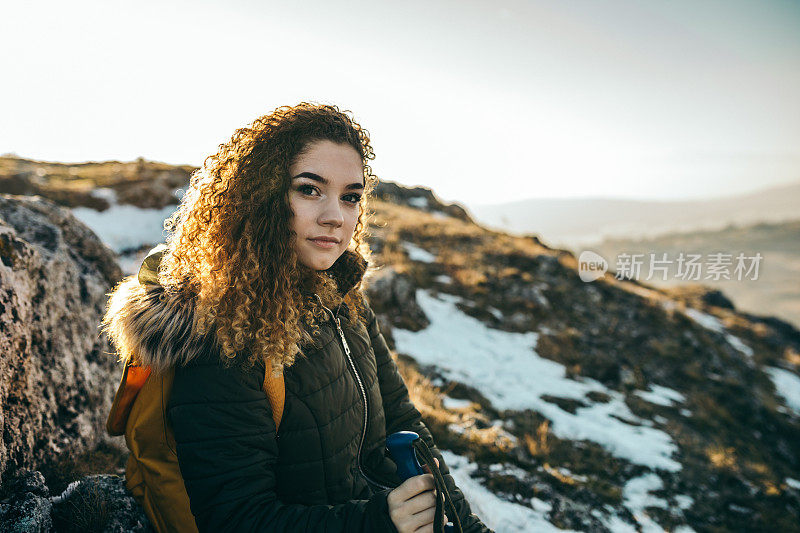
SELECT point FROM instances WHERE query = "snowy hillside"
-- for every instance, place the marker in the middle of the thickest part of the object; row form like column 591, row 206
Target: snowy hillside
column 562, row 405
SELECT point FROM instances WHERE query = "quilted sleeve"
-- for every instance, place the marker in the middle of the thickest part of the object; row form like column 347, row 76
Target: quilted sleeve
column 401, row 415
column 225, row 436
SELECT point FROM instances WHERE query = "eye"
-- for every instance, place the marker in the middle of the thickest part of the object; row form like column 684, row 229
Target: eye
column 355, row 198
column 305, row 187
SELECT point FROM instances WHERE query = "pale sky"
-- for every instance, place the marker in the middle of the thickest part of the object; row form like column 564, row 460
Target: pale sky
column 484, row 102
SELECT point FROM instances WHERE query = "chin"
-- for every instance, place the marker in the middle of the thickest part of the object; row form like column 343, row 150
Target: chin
column 321, row 263
column 317, row 259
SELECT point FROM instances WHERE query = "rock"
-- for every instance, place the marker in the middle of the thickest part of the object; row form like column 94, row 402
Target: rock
column 141, row 183
column 700, row 296
column 95, row 503
column 99, row 503
column 28, row 183
column 394, row 295
column 419, row 198
column 569, row 514
column 29, row 481
column 532, row 293
column 527, row 298
column 27, row 506
column 57, row 378
column 147, row 194
column 20, row 183
column 519, row 321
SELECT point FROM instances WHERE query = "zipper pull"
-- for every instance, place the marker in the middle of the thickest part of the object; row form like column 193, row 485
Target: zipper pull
column 344, row 341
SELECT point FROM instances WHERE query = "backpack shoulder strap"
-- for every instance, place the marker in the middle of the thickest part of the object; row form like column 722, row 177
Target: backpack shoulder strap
column 273, row 385
column 275, row 389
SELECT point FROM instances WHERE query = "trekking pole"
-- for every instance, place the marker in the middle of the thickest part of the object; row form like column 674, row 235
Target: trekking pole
column 401, row 447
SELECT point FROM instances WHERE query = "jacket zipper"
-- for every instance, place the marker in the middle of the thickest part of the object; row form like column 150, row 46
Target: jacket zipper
column 352, row 365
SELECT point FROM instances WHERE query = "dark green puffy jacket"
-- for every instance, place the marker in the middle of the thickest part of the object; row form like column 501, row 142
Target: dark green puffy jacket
column 327, row 469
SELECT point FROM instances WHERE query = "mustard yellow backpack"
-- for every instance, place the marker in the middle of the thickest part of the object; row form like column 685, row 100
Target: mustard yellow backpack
column 139, row 411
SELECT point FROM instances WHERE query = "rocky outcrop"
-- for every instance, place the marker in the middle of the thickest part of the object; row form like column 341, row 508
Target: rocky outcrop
column 57, row 378
column 394, row 295
column 142, row 183
column 98, row 503
column 26, row 506
column 30, row 184
column 419, row 198
column 697, row 295
column 95, row 503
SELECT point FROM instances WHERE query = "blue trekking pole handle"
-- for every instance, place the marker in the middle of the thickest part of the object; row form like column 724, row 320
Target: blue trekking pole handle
column 403, row 454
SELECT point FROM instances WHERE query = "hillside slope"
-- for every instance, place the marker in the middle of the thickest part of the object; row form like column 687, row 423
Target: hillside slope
column 773, row 289
column 562, row 404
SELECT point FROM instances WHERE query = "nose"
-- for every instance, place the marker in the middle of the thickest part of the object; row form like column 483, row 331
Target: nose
column 331, row 214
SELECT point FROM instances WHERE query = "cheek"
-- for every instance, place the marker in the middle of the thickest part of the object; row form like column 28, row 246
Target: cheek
column 300, row 220
column 352, row 220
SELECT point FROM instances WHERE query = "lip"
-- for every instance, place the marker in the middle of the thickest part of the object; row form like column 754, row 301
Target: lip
column 322, row 243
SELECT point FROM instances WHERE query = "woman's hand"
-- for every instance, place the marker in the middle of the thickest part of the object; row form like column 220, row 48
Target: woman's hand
column 412, row 505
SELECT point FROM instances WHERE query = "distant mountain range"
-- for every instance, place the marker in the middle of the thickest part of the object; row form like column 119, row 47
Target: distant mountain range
column 567, row 222
column 775, row 289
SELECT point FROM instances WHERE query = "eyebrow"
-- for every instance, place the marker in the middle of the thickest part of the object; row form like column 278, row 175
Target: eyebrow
column 320, row 179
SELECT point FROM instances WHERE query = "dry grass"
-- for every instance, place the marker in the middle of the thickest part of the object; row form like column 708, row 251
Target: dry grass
column 87, row 510
column 426, row 397
column 560, row 476
column 476, row 432
column 538, row 445
column 792, row 356
column 722, row 457
column 104, row 459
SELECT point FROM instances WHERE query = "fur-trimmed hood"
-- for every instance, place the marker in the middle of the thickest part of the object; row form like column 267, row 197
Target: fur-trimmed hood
column 158, row 329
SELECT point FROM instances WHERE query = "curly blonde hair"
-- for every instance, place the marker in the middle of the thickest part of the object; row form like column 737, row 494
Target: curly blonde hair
column 230, row 245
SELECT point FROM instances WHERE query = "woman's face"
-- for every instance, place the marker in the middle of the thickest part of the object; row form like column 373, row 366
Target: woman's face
column 327, row 184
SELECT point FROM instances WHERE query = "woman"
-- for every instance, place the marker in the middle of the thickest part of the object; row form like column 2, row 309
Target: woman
column 259, row 275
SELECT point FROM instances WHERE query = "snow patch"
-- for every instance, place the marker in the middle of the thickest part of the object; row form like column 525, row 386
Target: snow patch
column 636, row 492
column 455, row 403
column 415, row 253
column 617, row 525
column 705, row 320
column 787, row 385
column 496, row 513
column 660, row 395
column 123, row 227
column 509, row 470
column 637, row 497
column 496, row 312
column 506, row 369
column 684, row 501
column 418, row 201
column 713, row 323
column 105, row 193
column 737, row 343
